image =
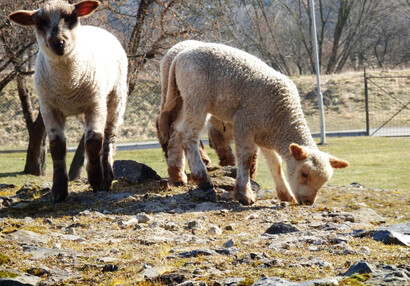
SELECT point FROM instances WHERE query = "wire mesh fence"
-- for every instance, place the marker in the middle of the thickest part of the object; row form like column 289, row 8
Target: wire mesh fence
column 344, row 102
column 387, row 105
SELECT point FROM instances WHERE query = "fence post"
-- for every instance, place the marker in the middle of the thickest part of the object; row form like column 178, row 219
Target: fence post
column 366, row 99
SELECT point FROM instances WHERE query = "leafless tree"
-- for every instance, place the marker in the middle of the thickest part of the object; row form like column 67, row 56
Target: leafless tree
column 17, row 54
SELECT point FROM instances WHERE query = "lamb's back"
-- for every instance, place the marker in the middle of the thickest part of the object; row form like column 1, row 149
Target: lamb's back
column 232, row 78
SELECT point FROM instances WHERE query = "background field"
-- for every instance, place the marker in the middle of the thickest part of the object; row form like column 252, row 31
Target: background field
column 376, row 162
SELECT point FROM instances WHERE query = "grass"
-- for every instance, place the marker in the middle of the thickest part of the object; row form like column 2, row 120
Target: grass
column 375, row 162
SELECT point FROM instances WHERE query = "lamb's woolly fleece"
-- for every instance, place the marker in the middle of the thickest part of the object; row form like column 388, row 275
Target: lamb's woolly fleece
column 84, row 78
column 228, row 82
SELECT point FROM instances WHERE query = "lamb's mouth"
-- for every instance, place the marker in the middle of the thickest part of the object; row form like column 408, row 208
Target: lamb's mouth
column 59, row 47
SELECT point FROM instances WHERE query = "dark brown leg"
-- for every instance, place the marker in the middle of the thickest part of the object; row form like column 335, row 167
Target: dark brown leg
column 58, row 150
column 254, row 164
column 219, row 141
column 204, row 155
column 108, row 173
column 93, row 148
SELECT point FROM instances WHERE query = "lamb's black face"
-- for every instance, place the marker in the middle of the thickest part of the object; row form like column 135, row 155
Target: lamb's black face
column 55, row 23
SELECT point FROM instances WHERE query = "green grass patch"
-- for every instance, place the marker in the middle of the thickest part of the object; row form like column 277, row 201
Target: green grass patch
column 375, row 162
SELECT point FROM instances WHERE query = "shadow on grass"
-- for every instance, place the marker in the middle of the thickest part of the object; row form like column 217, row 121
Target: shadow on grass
column 131, row 199
column 12, row 174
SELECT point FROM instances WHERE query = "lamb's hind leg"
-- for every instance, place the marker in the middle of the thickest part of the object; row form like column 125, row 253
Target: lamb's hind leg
column 275, row 166
column 220, row 136
column 175, row 156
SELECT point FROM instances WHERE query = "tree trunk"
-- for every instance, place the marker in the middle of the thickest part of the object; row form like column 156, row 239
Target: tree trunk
column 37, row 149
column 78, row 162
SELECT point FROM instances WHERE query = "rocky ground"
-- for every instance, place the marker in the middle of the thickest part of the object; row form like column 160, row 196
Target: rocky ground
column 145, row 232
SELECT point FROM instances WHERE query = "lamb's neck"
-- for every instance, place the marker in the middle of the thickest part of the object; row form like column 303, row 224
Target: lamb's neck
column 298, row 133
column 70, row 68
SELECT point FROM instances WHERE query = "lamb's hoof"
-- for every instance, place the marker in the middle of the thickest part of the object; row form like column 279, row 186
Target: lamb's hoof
column 59, row 193
column 205, row 186
column 95, row 180
column 244, row 199
column 286, row 197
column 106, row 185
column 179, row 184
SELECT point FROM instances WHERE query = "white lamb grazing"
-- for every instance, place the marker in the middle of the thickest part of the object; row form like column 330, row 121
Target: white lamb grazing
column 264, row 107
column 220, row 133
column 79, row 70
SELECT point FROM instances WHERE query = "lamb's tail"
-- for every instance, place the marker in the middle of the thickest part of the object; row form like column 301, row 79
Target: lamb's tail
column 171, row 108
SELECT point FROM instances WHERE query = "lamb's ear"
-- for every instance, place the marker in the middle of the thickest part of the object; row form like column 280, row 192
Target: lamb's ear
column 338, row 163
column 298, row 152
column 86, row 8
column 23, row 17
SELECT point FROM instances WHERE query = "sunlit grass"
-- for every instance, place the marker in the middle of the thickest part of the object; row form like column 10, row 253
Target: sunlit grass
column 375, row 162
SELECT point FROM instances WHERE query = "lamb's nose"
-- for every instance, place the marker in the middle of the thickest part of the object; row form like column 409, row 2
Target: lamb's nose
column 304, row 202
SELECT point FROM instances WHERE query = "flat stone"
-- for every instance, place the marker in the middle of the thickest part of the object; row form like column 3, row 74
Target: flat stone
column 29, row 237
column 360, row 267
column 28, row 280
column 133, row 171
column 393, row 234
column 196, row 253
column 269, row 281
column 280, row 227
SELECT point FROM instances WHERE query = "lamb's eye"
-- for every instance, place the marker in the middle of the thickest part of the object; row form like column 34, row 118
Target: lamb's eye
column 67, row 19
column 304, row 175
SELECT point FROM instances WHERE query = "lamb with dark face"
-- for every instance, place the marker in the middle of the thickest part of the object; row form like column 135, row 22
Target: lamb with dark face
column 80, row 71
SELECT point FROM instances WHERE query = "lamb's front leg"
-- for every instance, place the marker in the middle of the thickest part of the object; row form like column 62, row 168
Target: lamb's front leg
column 58, row 149
column 275, row 167
column 93, row 145
column 242, row 190
column 54, row 122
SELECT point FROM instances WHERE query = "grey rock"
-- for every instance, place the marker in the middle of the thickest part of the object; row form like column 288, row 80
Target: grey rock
column 316, row 262
column 194, row 224
column 143, row 218
column 227, row 251
column 360, row 267
column 393, row 234
column 26, row 280
column 232, row 281
column 369, row 215
column 110, row 268
column 29, row 237
column 230, row 227
column 133, row 171
column 270, row 281
column 391, row 237
column 280, row 227
column 196, row 253
column 229, row 243
column 214, row 229
column 43, row 252
column 127, row 223
column 321, row 282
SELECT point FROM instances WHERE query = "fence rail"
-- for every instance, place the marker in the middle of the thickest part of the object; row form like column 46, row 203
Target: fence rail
column 387, row 105
column 347, row 113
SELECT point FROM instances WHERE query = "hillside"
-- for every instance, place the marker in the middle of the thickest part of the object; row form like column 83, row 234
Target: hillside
column 343, row 100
